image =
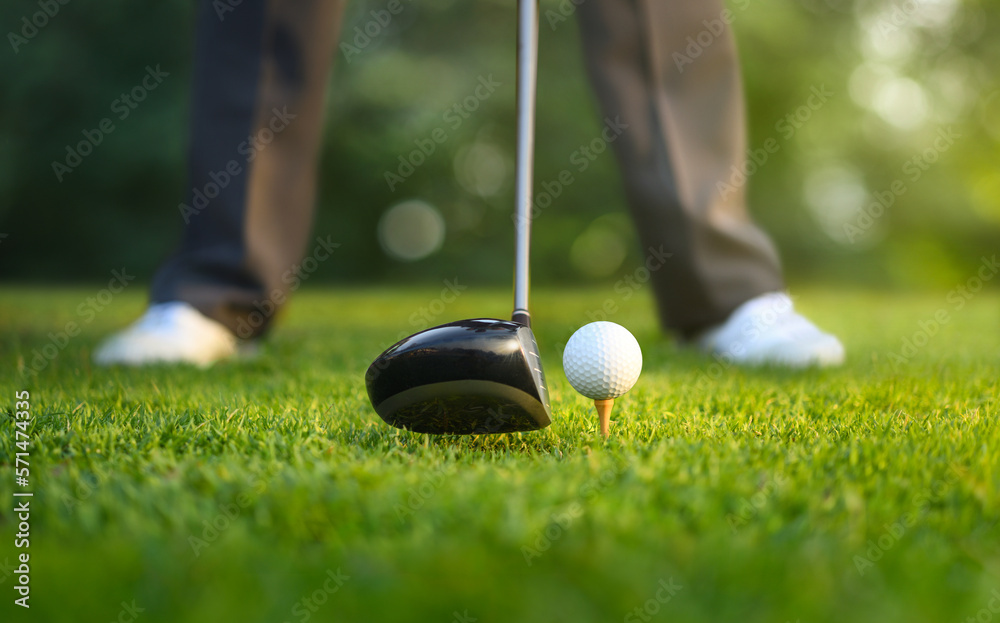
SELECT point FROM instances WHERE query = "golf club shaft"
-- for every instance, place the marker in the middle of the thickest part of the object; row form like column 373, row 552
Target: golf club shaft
column 527, row 69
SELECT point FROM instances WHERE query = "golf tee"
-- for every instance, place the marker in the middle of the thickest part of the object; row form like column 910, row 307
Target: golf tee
column 604, row 406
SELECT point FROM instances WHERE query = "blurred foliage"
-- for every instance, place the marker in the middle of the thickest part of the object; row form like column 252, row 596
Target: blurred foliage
column 899, row 72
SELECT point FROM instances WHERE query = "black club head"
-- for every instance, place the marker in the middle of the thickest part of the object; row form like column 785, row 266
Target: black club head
column 465, row 377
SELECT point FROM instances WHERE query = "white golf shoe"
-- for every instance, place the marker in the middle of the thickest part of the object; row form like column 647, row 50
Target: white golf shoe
column 767, row 331
column 171, row 332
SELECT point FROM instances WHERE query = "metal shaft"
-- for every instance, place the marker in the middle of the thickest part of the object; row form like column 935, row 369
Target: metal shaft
column 527, row 70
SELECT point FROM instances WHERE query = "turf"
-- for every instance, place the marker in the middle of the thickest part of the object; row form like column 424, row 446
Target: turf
column 268, row 490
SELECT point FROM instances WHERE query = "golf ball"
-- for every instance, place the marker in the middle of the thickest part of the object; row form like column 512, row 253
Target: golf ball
column 602, row 360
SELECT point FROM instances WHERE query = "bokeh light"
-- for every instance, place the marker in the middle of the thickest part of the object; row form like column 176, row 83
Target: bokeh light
column 481, row 168
column 835, row 195
column 411, row 230
column 600, row 250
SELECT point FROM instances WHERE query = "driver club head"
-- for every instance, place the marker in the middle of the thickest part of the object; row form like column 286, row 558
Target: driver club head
column 465, row 377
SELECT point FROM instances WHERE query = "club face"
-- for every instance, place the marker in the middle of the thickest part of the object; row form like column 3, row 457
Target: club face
column 466, row 377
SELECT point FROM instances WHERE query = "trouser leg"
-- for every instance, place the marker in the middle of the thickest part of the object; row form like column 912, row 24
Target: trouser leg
column 257, row 106
column 686, row 130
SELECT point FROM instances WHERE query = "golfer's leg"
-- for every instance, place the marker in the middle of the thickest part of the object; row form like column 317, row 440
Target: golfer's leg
column 256, row 116
column 685, row 131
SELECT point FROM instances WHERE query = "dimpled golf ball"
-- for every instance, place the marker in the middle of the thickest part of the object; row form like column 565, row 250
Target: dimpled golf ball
column 602, row 360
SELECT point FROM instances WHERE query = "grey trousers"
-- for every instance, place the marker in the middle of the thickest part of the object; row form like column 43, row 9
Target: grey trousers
column 261, row 72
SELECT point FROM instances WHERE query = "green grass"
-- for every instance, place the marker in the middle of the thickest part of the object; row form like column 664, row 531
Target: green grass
column 758, row 492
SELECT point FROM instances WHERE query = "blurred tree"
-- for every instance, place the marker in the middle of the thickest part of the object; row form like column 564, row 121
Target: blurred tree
column 862, row 187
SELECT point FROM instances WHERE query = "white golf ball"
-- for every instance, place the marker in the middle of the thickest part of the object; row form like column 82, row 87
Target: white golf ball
column 602, row 360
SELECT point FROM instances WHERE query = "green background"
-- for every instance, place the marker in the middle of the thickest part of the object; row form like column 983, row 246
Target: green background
column 894, row 88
